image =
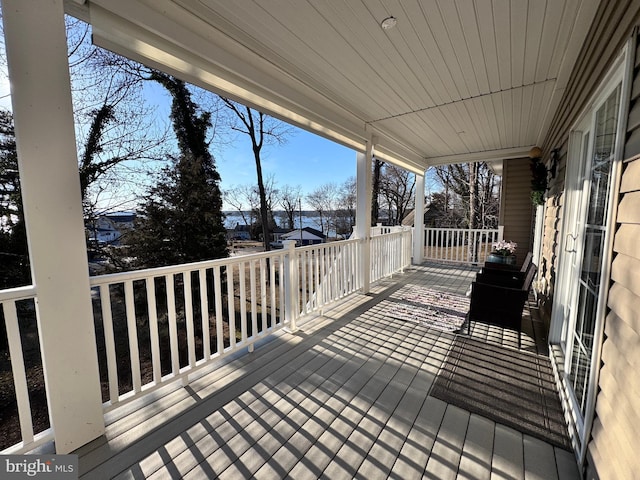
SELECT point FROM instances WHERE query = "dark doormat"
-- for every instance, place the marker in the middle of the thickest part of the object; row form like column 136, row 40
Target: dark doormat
column 508, row 386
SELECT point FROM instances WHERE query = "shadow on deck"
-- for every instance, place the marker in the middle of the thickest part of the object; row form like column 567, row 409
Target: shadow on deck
column 356, row 393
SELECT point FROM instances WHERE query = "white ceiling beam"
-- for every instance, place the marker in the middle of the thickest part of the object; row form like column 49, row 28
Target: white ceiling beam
column 147, row 36
column 487, row 156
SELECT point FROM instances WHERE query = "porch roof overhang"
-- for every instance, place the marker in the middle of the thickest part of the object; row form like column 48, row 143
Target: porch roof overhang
column 453, row 81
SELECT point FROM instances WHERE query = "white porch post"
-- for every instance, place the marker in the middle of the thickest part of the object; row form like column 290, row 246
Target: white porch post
column 418, row 222
column 41, row 96
column 363, row 213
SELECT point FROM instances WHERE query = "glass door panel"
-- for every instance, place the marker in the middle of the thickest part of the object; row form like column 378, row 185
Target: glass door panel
column 590, row 236
column 574, row 206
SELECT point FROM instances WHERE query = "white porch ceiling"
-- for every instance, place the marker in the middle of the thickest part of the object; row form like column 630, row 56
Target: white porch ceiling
column 454, row 81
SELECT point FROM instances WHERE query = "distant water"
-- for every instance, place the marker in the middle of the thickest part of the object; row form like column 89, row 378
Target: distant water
column 309, row 219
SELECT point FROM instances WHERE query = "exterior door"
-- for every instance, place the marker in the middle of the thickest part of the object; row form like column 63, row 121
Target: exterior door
column 589, row 188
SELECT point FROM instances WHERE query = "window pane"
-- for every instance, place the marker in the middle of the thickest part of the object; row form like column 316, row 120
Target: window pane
column 591, row 263
column 605, row 139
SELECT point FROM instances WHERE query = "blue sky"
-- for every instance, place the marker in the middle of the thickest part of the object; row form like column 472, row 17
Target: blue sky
column 307, row 160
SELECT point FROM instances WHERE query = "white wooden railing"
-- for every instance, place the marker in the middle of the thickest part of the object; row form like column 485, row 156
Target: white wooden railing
column 160, row 325
column 326, row 273
column 390, row 252
column 17, row 307
column 380, row 229
column 245, row 299
column 175, row 320
column 184, row 316
column 458, row 245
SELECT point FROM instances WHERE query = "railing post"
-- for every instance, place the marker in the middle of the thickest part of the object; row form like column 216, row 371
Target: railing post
column 290, row 285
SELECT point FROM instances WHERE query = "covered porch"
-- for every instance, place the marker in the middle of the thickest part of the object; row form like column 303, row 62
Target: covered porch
column 350, row 391
column 349, row 395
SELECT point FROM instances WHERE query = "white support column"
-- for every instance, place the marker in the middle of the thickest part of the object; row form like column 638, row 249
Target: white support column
column 418, row 222
column 363, row 213
column 41, row 96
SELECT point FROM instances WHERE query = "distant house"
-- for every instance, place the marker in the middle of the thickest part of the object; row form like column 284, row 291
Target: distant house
column 431, row 216
column 109, row 228
column 239, row 232
column 308, row 236
column 277, row 233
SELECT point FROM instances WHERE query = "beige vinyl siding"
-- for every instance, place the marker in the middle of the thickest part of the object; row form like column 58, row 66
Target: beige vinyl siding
column 632, row 144
column 551, row 239
column 612, row 448
column 548, row 263
column 613, row 25
column 614, row 438
column 516, row 208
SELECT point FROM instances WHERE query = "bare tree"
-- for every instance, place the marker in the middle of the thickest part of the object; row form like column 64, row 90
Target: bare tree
column 455, row 181
column 119, row 136
column 397, row 186
column 272, row 195
column 262, row 130
column 290, row 198
column 488, row 197
column 471, row 190
column 119, row 140
column 322, row 200
column 346, row 207
column 241, row 197
column 245, row 199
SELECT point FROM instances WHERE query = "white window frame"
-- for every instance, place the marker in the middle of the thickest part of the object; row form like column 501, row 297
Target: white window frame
column 619, row 74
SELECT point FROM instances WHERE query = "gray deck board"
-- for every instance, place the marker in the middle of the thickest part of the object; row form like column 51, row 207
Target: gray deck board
column 383, row 453
column 415, row 451
column 317, row 370
column 539, row 460
column 446, row 452
column 318, row 412
column 508, row 455
column 475, row 463
column 566, row 464
column 345, row 397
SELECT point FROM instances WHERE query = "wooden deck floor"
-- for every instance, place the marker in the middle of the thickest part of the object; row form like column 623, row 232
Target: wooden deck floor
column 347, row 396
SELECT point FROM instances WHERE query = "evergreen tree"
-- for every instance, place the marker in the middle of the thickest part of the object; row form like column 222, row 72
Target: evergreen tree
column 375, row 194
column 181, row 218
column 14, row 254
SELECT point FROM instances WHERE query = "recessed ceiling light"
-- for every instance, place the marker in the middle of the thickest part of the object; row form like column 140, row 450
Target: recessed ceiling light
column 388, row 23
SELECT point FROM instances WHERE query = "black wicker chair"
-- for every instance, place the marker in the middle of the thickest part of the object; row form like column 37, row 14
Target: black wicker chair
column 499, row 300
